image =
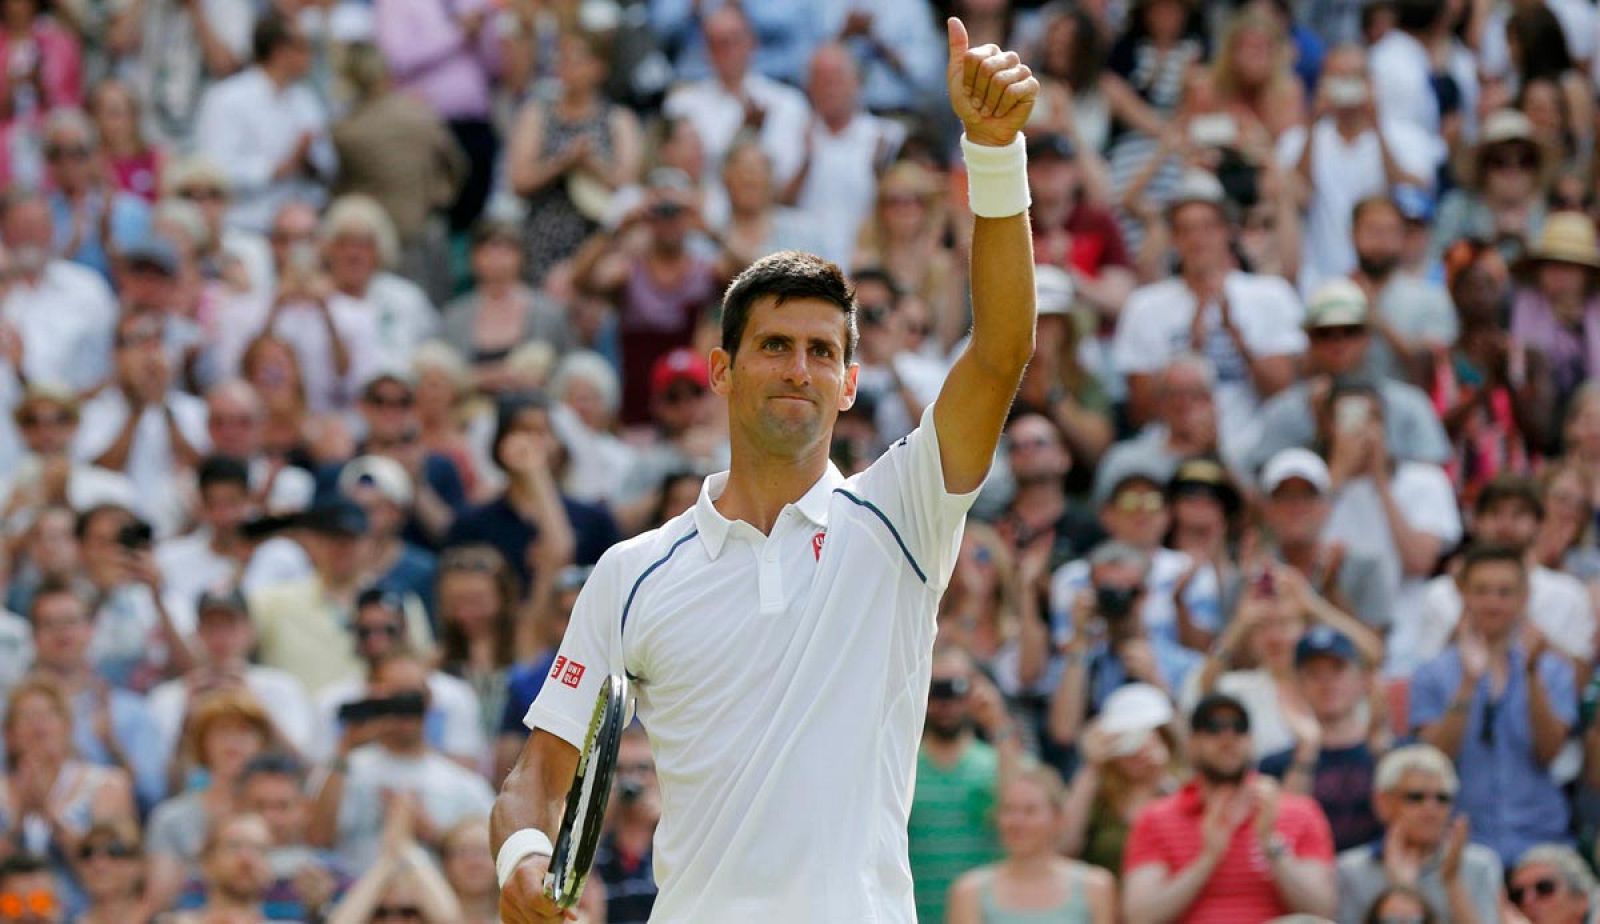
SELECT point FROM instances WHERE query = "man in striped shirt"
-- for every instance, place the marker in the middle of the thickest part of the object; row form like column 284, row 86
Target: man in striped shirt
column 1228, row 847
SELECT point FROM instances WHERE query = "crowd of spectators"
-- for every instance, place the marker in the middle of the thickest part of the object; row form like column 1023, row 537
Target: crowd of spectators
column 340, row 338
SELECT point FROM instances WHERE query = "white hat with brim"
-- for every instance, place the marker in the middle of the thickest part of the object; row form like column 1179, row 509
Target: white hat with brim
column 1131, row 713
column 1296, row 463
column 1337, row 303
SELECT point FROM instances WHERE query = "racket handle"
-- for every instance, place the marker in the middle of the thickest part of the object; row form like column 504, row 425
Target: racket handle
column 518, row 847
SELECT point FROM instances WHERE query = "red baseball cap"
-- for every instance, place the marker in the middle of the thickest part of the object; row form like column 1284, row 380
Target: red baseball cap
column 679, row 365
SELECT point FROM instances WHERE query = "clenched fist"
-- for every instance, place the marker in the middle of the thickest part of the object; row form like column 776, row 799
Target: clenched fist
column 991, row 90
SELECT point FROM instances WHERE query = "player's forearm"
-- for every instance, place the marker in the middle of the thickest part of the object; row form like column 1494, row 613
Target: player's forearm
column 1002, row 293
column 535, row 790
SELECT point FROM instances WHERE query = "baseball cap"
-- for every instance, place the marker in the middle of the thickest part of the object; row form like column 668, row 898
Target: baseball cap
column 381, row 472
column 682, row 364
column 1337, row 303
column 1053, row 290
column 1131, row 713
column 221, row 601
column 1051, row 144
column 1198, row 185
column 154, row 252
column 1205, row 476
column 337, row 517
column 1325, row 642
column 1213, row 703
column 1295, row 463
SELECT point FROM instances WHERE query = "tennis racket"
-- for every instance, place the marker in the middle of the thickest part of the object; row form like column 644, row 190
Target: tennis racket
column 585, row 814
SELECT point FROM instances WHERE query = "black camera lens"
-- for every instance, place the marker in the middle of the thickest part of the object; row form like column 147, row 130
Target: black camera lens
column 1115, row 602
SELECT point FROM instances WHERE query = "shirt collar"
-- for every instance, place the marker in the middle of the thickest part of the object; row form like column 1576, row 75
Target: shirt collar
column 714, row 527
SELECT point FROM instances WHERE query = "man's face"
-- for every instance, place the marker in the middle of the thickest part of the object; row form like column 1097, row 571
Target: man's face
column 280, row 803
column 62, row 630
column 1186, row 400
column 788, row 382
column 1510, row 522
column 234, row 426
column 1541, row 893
column 1331, row 686
column 226, row 635
column 948, row 699
column 400, row 678
column 1380, row 239
column 29, row 234
column 1493, row 596
column 1035, row 450
column 143, row 286
column 1053, row 181
column 729, row 45
column 352, row 259
column 295, row 226
column 1562, row 282
column 337, row 555
column 1338, row 349
column 224, row 506
column 379, row 631
column 69, row 158
column 52, row 546
column 103, row 555
column 389, row 408
column 1220, row 747
column 47, row 427
column 1136, row 513
column 237, row 863
column 1296, row 512
column 1200, row 236
column 496, row 260
column 877, row 317
column 1419, row 806
column 832, row 86
column 141, row 355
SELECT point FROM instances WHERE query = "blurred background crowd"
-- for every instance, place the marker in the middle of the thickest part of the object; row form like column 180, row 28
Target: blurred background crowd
column 339, row 338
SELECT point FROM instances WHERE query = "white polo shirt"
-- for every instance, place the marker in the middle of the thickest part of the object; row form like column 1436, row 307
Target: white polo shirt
column 783, row 682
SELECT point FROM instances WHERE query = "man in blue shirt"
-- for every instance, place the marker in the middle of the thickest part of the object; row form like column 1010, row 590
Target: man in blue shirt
column 1500, row 704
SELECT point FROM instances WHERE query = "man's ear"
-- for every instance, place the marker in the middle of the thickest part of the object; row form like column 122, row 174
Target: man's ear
column 721, row 363
column 847, row 395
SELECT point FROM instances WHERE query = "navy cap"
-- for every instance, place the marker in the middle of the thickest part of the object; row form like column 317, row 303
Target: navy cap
column 337, row 517
column 1325, row 642
column 1213, row 703
column 155, row 252
column 1051, row 144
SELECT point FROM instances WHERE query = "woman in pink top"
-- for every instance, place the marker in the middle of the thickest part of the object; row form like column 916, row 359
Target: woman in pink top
column 42, row 58
column 134, row 163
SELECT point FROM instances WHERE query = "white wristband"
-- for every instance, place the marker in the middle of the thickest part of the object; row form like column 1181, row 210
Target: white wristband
column 518, row 847
column 997, row 178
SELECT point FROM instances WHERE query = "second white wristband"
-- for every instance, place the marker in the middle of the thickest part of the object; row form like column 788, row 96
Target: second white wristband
column 518, row 847
column 997, row 177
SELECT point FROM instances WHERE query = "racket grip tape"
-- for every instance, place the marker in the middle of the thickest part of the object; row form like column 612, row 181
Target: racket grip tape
column 518, row 847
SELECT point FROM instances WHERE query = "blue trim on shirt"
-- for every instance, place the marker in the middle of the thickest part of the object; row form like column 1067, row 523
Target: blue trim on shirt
column 892, row 531
column 647, row 572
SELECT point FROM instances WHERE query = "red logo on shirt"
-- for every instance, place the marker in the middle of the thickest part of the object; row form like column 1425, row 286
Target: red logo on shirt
column 555, row 670
column 572, row 675
column 816, row 544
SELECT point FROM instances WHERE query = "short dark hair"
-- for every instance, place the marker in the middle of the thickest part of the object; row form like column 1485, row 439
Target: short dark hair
column 214, row 470
column 1517, row 488
column 80, row 528
column 1369, row 203
column 52, row 587
column 784, row 275
column 1490, row 554
column 21, row 864
column 1417, row 15
column 273, row 764
column 272, row 32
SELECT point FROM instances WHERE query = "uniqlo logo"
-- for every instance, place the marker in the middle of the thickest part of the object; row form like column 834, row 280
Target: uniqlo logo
column 572, row 675
column 816, row 544
column 555, row 670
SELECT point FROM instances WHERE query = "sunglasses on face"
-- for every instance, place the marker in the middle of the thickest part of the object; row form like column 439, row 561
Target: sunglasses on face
column 1418, row 797
column 471, row 560
column 203, row 194
column 388, row 630
column 46, row 420
column 114, row 850
column 1521, row 159
column 1216, row 725
column 65, row 151
column 1342, row 332
column 390, row 400
column 13, row 905
column 1139, row 502
column 397, row 913
column 1543, row 888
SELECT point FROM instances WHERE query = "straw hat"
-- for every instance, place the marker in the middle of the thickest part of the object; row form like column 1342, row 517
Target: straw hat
column 1568, row 237
column 1503, row 126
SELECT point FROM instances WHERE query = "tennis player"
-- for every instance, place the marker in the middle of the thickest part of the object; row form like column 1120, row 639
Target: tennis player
column 779, row 633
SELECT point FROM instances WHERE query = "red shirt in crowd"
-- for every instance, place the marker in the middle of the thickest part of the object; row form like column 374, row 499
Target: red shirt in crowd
column 1089, row 242
column 1241, row 891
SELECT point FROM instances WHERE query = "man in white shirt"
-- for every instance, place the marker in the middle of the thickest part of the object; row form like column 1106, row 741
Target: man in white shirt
column 1402, row 69
column 266, row 130
column 235, row 420
column 46, row 474
column 736, row 98
column 1247, row 325
column 143, row 427
column 845, row 148
column 1346, row 156
column 214, row 554
column 64, row 312
column 1507, row 512
column 780, row 631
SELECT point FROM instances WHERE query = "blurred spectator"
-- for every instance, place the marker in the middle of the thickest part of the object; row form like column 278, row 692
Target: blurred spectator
column 1501, row 194
column 225, row 638
column 958, row 779
column 236, row 421
column 448, row 419
column 1028, row 815
column 501, row 311
column 1411, row 316
column 1337, row 743
column 1040, row 515
column 979, row 612
column 136, row 641
column 48, row 475
column 402, row 881
column 1507, row 513
column 142, row 425
column 110, row 864
column 1247, row 325
column 359, row 247
column 265, row 129
column 383, row 626
column 1501, row 703
column 588, row 394
column 46, row 552
column 383, row 489
column 1543, row 102
column 63, row 313
column 1495, row 394
column 223, row 731
column 1200, row 851
column 1402, row 68
column 1068, row 62
column 233, row 863
column 568, row 153
column 481, row 632
column 1071, row 231
column 758, row 223
column 623, row 861
column 904, row 237
column 385, row 767
column 1129, row 759
column 1551, row 884
column 1255, row 80
column 25, row 885
column 548, row 619
column 134, row 164
column 846, row 148
column 93, row 218
column 468, row 866
column 1185, row 425
column 1562, row 542
column 238, row 258
column 391, row 146
column 897, row 47
column 214, row 555
column 1557, row 312
column 1339, row 327
column 305, row 880
column 733, row 97
column 889, row 377
column 44, row 60
column 1421, row 848
column 174, row 51
column 1295, row 508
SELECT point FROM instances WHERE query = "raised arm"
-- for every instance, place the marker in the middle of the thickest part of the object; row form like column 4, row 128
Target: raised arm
column 534, row 796
column 993, row 93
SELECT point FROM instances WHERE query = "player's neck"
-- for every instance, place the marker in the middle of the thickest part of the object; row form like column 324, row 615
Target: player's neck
column 760, row 486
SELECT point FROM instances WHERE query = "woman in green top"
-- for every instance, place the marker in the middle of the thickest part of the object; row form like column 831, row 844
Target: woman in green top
column 1120, row 772
column 1033, row 883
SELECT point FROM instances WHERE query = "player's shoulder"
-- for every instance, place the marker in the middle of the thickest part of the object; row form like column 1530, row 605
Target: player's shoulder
column 637, row 553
